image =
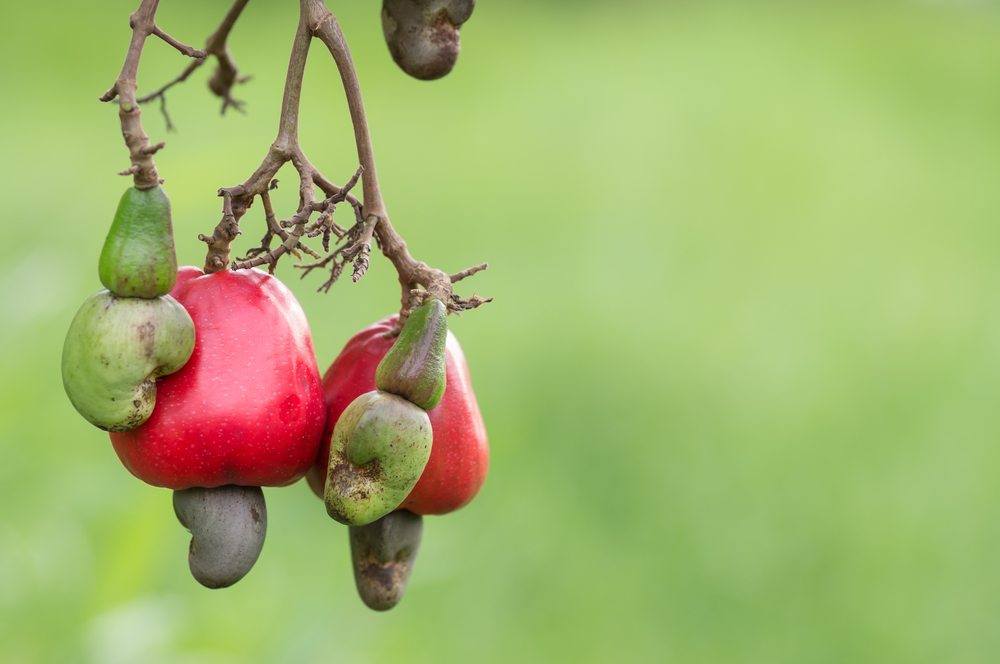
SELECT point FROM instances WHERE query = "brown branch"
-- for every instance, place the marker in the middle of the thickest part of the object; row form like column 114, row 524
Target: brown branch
column 468, row 272
column 412, row 273
column 225, row 232
column 418, row 280
column 283, row 150
column 356, row 249
column 184, row 49
column 290, row 241
column 226, row 75
column 143, row 24
column 263, row 254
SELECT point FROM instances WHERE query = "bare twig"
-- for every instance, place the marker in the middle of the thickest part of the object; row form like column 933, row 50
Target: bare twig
column 283, row 150
column 468, row 272
column 355, row 248
column 263, row 254
column 226, row 75
column 412, row 273
column 418, row 280
column 184, row 49
column 143, row 24
column 290, row 241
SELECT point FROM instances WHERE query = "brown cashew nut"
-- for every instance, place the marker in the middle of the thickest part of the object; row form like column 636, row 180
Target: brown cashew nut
column 383, row 553
column 422, row 35
column 227, row 526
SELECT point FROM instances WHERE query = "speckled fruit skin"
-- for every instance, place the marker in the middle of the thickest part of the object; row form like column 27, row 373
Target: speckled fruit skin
column 460, row 452
column 247, row 408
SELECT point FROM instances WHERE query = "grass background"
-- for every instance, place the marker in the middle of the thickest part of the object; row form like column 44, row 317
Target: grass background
column 740, row 376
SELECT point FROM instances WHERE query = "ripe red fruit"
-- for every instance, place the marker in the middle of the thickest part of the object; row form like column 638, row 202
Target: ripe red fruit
column 460, row 452
column 247, row 408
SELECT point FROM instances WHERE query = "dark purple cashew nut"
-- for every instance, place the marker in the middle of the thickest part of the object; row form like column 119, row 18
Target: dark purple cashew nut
column 227, row 526
column 382, row 554
column 423, row 34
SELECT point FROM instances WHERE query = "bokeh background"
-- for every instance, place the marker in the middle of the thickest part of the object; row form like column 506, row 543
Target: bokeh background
column 740, row 376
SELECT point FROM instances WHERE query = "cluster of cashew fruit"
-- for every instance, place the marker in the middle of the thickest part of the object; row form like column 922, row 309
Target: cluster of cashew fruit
column 405, row 439
column 208, row 385
column 422, row 35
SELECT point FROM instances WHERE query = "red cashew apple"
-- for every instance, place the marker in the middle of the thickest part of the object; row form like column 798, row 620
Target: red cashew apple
column 247, row 409
column 460, row 453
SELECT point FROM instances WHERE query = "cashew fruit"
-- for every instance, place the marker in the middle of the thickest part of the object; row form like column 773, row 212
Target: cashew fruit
column 247, row 408
column 115, row 350
column 460, row 456
column 414, row 366
column 382, row 554
column 422, row 35
column 379, row 449
column 138, row 258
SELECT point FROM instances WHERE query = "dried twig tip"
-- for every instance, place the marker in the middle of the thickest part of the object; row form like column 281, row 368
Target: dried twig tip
column 468, row 272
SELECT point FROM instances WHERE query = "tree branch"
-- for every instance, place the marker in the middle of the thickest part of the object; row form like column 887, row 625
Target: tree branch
column 184, row 49
column 412, row 273
column 418, row 281
column 226, row 75
column 143, row 24
column 283, row 150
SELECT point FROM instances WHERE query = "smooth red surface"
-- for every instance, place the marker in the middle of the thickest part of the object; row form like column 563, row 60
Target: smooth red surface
column 460, row 455
column 247, row 408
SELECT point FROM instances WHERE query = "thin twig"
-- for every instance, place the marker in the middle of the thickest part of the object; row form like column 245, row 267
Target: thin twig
column 418, row 280
column 226, row 75
column 283, row 150
column 143, row 24
column 412, row 273
column 468, row 272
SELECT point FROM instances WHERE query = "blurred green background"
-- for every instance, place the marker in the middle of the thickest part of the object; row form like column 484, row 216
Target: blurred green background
column 740, row 375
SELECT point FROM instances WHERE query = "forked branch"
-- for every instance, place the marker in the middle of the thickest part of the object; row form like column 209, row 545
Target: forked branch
column 226, row 75
column 143, row 24
column 418, row 280
column 285, row 148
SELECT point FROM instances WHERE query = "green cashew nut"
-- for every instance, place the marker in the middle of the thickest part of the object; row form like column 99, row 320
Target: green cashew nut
column 382, row 554
column 414, row 366
column 138, row 258
column 379, row 449
column 115, row 350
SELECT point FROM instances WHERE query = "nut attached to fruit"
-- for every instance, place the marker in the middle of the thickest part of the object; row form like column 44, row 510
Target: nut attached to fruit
column 115, row 349
column 138, row 258
column 383, row 554
column 422, row 35
column 227, row 526
column 380, row 447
